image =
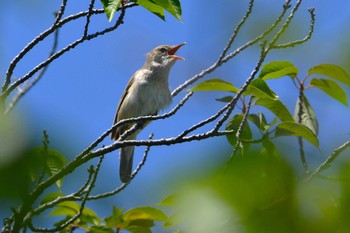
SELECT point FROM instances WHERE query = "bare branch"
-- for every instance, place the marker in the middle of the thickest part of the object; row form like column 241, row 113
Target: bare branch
column 86, row 27
column 22, row 91
column 306, row 38
column 246, row 111
column 7, row 87
column 31, row 45
column 236, row 30
column 124, row 185
column 61, row 52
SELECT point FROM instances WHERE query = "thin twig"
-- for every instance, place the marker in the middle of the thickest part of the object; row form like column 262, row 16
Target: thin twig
column 285, row 25
column 86, row 27
column 306, row 38
column 124, row 185
column 8, row 87
column 29, row 46
column 61, row 52
column 236, row 30
column 326, row 164
column 21, row 92
column 58, row 23
column 234, row 100
column 244, row 120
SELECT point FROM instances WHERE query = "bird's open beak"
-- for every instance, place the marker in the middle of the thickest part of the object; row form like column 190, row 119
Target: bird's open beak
column 172, row 51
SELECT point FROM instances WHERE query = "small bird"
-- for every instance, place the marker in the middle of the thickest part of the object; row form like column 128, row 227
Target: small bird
column 146, row 94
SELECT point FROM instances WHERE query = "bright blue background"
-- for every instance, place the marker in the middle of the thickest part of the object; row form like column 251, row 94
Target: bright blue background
column 77, row 98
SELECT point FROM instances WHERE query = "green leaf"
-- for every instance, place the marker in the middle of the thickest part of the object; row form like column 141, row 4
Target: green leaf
column 215, row 84
column 225, row 99
column 278, row 69
column 139, row 229
column 145, row 213
column 259, row 88
column 308, row 116
column 71, row 208
column 116, row 219
column 168, row 201
column 276, row 107
column 110, row 7
column 66, row 208
column 331, row 88
column 174, row 219
column 331, row 70
column 100, row 229
column 296, row 129
column 172, row 6
column 233, row 124
column 260, row 121
column 269, row 149
column 53, row 160
column 50, row 197
column 152, row 7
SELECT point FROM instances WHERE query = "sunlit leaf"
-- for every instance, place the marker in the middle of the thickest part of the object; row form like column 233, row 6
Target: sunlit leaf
column 100, row 229
column 71, row 208
column 225, row 99
column 168, row 201
column 259, row 88
column 308, row 116
column 278, row 69
column 152, row 7
column 260, row 121
column 115, row 219
column 214, row 84
column 146, row 212
column 50, row 197
column 53, row 162
column 269, row 149
column 67, row 208
column 174, row 219
column 172, row 6
column 139, row 229
column 276, row 107
column 296, row 129
column 331, row 88
column 110, row 7
column 332, row 71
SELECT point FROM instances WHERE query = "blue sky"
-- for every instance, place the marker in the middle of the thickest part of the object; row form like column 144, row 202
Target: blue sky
column 76, row 100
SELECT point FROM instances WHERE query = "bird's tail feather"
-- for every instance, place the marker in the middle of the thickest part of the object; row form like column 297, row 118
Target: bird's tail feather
column 126, row 159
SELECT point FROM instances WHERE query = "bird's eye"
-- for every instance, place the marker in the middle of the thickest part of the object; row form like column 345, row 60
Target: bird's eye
column 162, row 49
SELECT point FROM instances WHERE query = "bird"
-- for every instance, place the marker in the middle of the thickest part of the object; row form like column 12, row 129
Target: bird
column 146, row 93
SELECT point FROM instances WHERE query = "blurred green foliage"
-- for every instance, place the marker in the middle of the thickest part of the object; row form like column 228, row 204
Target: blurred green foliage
column 262, row 194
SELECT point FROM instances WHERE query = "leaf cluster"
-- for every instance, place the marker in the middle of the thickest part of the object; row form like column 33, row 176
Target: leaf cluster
column 139, row 219
column 157, row 7
column 304, row 123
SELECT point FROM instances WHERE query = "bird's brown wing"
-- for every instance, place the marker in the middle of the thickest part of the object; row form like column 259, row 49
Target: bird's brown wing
column 115, row 133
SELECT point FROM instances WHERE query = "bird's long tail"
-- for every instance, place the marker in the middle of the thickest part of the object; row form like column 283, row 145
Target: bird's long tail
column 126, row 159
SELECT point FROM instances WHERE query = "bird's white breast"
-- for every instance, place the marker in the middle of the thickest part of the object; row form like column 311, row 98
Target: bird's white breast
column 152, row 94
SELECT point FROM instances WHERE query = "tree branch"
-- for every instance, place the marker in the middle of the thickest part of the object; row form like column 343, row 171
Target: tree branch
column 328, row 162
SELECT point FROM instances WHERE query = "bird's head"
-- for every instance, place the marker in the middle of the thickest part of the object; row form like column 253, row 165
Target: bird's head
column 163, row 56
